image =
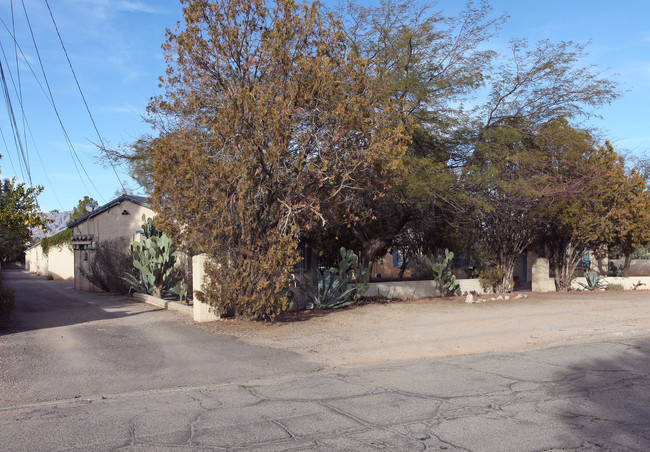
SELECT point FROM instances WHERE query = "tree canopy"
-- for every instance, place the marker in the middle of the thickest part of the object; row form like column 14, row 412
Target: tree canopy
column 269, row 124
column 375, row 127
column 19, row 213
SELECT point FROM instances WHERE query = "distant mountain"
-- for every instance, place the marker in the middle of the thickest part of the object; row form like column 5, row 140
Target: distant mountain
column 59, row 224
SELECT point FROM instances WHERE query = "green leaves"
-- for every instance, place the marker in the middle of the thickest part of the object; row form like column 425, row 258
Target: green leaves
column 19, row 213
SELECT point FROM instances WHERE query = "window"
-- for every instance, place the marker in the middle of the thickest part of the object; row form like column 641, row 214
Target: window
column 398, row 257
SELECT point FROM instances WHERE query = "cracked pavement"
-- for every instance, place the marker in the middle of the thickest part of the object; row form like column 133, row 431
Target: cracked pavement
column 109, row 374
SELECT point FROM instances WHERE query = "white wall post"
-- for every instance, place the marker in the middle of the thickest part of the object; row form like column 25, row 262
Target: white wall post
column 202, row 311
column 541, row 282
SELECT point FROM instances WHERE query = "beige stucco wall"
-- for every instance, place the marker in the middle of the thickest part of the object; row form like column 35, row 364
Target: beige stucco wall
column 111, row 224
column 33, row 257
column 60, row 263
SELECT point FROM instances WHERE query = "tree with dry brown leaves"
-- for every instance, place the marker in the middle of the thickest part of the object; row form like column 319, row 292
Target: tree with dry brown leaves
column 268, row 121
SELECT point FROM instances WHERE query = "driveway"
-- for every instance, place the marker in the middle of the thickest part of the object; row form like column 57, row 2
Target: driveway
column 96, row 372
column 60, row 343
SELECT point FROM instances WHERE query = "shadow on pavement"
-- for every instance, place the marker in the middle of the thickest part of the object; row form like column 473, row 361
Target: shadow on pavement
column 41, row 303
column 606, row 401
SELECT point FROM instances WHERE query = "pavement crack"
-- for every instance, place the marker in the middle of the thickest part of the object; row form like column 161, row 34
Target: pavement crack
column 448, row 443
column 348, row 415
column 281, row 425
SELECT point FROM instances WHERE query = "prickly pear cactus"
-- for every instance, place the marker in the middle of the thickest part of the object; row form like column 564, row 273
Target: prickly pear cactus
column 154, row 259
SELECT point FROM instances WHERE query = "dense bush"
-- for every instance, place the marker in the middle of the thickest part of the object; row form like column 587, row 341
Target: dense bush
column 109, row 263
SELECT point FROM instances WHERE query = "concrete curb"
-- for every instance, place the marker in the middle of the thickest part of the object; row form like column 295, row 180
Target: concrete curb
column 166, row 304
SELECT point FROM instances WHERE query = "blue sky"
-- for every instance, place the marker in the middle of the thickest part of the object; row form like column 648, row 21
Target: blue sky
column 114, row 46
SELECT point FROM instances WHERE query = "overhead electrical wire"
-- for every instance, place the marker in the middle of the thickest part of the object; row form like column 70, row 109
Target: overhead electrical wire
column 92, row 119
column 19, row 91
column 14, row 126
column 50, row 100
column 26, row 60
column 27, row 128
column 56, row 111
column 11, row 161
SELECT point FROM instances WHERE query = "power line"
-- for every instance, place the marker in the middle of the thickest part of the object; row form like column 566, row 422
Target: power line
column 50, row 100
column 11, row 161
column 56, row 110
column 19, row 91
column 14, row 126
column 103, row 146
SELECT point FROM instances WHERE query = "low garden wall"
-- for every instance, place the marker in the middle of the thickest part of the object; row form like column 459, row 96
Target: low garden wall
column 628, row 283
column 166, row 304
column 414, row 290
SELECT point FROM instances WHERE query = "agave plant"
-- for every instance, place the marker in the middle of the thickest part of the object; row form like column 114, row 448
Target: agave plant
column 594, row 281
column 328, row 289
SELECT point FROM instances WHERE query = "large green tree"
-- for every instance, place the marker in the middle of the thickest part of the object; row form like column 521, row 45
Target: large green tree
column 531, row 92
column 432, row 63
column 19, row 214
column 630, row 218
column 591, row 178
column 268, row 121
column 82, row 208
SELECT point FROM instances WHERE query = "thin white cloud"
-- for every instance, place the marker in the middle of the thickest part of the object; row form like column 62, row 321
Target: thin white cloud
column 127, row 70
column 139, row 7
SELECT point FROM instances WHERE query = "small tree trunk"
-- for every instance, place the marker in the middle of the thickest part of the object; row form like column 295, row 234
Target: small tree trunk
column 626, row 264
column 507, row 283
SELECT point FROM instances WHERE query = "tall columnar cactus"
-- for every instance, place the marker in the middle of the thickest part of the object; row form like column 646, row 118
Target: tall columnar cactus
column 154, row 259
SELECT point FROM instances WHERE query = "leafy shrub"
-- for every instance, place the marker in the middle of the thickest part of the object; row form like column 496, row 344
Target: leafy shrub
column 491, row 279
column 441, row 267
column 641, row 253
column 419, row 268
column 615, row 287
column 110, row 261
column 256, row 284
column 181, row 290
column 614, row 270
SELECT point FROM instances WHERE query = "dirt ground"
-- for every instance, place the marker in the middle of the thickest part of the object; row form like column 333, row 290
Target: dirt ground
column 411, row 330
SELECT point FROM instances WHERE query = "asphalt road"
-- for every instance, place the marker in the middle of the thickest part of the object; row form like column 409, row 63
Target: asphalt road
column 85, row 372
